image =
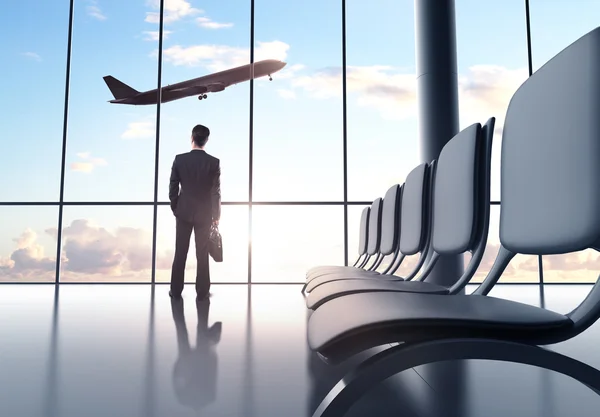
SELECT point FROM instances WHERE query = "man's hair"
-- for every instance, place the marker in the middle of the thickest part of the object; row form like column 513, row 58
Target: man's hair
column 200, row 135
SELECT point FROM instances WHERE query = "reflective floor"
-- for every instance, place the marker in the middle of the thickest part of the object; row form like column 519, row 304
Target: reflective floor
column 124, row 350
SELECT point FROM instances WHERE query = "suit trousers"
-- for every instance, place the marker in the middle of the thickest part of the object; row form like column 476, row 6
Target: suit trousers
column 183, row 232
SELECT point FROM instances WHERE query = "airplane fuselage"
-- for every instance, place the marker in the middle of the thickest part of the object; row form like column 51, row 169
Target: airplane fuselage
column 205, row 84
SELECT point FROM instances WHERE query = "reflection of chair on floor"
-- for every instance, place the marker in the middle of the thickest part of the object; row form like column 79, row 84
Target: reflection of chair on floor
column 550, row 182
column 195, row 372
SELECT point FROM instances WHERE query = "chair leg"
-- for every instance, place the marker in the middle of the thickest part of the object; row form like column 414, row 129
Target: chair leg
column 405, row 356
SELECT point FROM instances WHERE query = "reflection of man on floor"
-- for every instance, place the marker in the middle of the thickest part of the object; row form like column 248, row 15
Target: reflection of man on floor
column 195, row 372
column 196, row 206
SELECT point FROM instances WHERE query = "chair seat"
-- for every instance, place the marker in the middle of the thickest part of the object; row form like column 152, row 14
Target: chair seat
column 334, row 270
column 353, row 323
column 352, row 275
column 334, row 289
column 317, row 269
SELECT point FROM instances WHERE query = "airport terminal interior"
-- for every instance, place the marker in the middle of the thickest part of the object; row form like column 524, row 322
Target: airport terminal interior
column 409, row 196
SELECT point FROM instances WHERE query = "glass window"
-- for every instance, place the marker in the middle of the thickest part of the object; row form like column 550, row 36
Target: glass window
column 28, row 243
column 354, row 214
column 298, row 128
column 33, row 38
column 199, row 43
column 522, row 268
column 110, row 147
column 558, row 23
column 382, row 127
column 234, row 231
column 107, row 244
column 579, row 266
column 492, row 64
column 288, row 240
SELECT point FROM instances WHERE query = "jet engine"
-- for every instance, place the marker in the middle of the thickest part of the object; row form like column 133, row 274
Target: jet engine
column 214, row 88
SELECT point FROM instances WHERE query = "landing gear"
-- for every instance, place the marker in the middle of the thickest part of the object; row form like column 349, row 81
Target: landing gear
column 270, row 78
column 202, row 96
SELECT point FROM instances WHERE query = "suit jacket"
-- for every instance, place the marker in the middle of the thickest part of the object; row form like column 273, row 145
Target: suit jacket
column 199, row 199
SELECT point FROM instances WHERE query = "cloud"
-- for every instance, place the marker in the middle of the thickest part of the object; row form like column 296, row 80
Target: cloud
column 139, row 130
column 488, row 259
column 28, row 259
column 286, row 94
column 587, row 260
column 88, row 164
column 174, row 10
column 207, row 23
column 32, row 55
column 289, row 71
column 484, row 91
column 94, row 11
column 92, row 249
column 87, row 249
column 219, row 57
column 153, row 35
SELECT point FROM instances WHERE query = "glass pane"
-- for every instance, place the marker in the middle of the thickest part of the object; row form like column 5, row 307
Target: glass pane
column 492, row 64
column 522, row 268
column 288, row 240
column 33, row 39
column 580, row 266
column 383, row 142
column 110, row 147
column 234, row 231
column 407, row 266
column 107, row 244
column 298, row 126
column 558, row 23
column 199, row 43
column 28, row 244
column 354, row 214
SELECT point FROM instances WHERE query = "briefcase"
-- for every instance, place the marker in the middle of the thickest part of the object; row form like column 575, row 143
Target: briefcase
column 215, row 244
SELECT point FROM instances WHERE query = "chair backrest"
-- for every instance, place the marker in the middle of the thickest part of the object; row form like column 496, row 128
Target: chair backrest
column 363, row 234
column 550, row 164
column 390, row 219
column 374, row 227
column 454, row 201
column 415, row 211
column 460, row 203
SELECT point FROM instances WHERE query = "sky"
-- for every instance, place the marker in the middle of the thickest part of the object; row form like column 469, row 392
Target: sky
column 297, row 125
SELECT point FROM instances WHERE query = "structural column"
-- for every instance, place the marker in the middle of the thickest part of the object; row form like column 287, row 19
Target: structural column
column 437, row 97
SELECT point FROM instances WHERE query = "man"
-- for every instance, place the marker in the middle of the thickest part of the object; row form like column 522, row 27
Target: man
column 196, row 206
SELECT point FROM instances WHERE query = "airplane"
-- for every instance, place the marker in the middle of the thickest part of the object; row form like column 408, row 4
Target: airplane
column 200, row 86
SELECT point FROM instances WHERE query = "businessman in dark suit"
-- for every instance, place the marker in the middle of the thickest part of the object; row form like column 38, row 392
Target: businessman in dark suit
column 196, row 206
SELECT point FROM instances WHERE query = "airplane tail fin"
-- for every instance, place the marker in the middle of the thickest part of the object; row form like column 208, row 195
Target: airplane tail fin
column 119, row 89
